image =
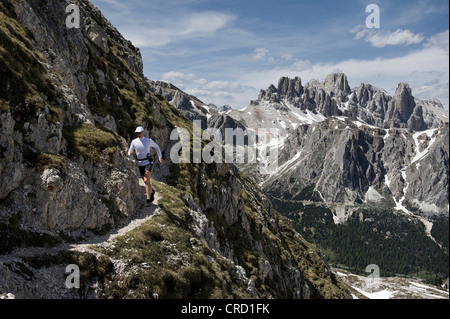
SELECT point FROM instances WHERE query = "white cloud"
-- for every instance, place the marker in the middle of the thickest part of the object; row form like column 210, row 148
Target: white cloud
column 176, row 77
column 204, row 23
column 302, row 65
column 259, row 54
column 287, row 57
column 183, row 80
column 405, row 37
column 148, row 34
column 232, row 87
column 217, row 92
column 380, row 38
column 440, row 40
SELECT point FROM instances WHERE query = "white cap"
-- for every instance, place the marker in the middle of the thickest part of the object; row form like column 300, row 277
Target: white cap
column 139, row 129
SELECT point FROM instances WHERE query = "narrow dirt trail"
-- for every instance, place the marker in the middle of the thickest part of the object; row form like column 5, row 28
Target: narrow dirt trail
column 145, row 214
column 140, row 217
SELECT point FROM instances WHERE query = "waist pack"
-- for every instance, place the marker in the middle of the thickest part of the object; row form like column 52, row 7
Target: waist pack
column 149, row 158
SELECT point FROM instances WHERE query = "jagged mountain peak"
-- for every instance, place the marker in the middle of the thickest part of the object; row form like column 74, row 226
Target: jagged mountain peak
column 290, row 87
column 337, row 81
column 403, row 88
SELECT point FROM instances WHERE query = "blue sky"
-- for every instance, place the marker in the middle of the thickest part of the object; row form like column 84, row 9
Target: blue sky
column 225, row 52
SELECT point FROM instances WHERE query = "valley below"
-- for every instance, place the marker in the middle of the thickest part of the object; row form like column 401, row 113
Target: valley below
column 365, row 287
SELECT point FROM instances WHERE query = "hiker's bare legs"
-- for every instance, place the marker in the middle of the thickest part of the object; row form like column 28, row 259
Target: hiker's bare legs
column 148, row 184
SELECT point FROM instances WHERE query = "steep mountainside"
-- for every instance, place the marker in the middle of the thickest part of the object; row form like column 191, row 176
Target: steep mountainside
column 69, row 101
column 347, row 163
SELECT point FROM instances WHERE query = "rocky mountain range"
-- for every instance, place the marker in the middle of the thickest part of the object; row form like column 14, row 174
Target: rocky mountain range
column 350, row 145
column 333, row 97
column 70, row 99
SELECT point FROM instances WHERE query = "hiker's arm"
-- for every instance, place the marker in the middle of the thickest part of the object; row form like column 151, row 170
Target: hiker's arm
column 131, row 150
column 158, row 151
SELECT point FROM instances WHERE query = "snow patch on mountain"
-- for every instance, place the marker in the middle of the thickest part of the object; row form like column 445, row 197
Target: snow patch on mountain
column 419, row 155
column 390, row 287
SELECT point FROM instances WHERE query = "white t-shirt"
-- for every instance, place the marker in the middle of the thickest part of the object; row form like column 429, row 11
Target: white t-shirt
column 142, row 147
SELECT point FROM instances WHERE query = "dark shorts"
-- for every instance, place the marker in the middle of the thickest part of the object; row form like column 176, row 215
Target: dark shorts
column 146, row 168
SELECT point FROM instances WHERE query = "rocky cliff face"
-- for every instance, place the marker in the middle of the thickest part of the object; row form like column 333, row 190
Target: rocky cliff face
column 63, row 150
column 70, row 100
column 348, row 163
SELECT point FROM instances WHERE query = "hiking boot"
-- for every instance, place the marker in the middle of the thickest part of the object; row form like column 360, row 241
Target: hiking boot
column 152, row 196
